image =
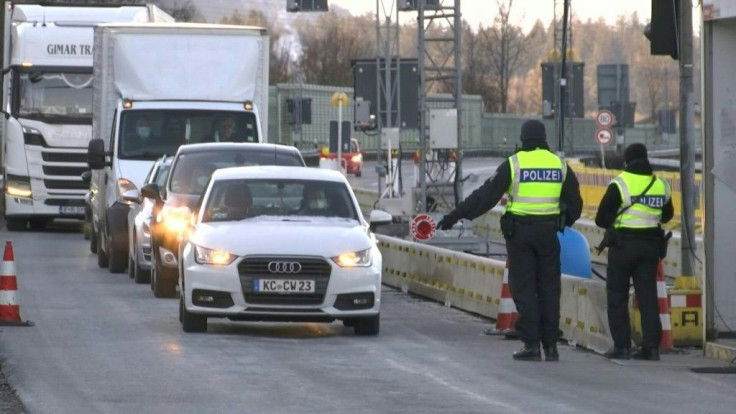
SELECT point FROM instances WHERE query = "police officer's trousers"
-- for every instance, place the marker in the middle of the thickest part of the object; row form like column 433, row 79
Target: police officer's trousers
column 635, row 259
column 534, row 280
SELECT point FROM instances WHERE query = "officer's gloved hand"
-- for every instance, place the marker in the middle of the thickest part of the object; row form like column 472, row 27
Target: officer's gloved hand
column 448, row 221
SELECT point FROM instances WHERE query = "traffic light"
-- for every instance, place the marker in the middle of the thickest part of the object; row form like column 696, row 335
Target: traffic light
column 663, row 31
column 306, row 5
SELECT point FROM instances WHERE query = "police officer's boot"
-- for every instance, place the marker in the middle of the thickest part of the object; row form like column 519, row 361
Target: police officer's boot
column 646, row 354
column 550, row 353
column 618, row 353
column 528, row 353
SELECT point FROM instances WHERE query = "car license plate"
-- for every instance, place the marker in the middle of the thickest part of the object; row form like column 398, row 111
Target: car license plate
column 283, row 286
column 71, row 210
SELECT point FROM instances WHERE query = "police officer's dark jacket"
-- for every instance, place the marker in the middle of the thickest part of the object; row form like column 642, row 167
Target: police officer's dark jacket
column 611, row 203
column 489, row 194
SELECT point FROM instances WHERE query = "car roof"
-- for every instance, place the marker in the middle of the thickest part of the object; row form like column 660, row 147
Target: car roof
column 228, row 146
column 278, row 172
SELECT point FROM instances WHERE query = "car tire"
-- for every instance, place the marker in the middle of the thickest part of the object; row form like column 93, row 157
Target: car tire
column 92, row 239
column 191, row 322
column 117, row 260
column 15, row 224
column 131, row 269
column 163, row 281
column 140, row 275
column 102, row 260
column 368, row 326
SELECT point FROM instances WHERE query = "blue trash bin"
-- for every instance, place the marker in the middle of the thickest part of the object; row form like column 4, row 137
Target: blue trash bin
column 575, row 254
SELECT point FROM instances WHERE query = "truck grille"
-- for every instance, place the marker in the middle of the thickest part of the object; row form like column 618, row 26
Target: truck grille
column 65, row 185
column 72, row 171
column 311, row 269
column 64, row 157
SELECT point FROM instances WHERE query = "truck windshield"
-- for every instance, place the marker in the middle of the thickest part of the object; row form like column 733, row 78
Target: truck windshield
column 151, row 133
column 55, row 97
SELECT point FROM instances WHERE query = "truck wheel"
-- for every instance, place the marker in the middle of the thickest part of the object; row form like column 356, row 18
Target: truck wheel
column 15, row 224
column 117, row 259
column 101, row 255
column 191, row 322
column 38, row 224
column 368, row 326
column 164, row 282
column 92, row 239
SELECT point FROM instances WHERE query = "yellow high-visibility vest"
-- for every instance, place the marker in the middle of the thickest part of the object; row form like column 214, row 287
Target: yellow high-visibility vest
column 646, row 209
column 536, row 183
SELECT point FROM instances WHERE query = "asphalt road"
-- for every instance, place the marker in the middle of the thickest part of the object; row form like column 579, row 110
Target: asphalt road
column 102, row 344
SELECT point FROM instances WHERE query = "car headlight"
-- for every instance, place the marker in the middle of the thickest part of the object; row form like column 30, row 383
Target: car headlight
column 203, row 255
column 175, row 219
column 354, row 259
column 357, row 158
column 18, row 186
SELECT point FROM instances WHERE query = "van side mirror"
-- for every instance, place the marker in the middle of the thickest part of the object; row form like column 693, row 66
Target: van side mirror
column 151, row 191
column 96, row 154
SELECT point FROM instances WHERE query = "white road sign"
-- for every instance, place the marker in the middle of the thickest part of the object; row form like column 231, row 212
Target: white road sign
column 604, row 136
column 604, row 119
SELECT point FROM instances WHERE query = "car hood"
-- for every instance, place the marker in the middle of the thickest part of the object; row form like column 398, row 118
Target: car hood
column 273, row 236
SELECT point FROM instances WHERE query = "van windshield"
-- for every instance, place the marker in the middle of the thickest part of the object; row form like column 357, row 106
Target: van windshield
column 55, row 97
column 151, row 133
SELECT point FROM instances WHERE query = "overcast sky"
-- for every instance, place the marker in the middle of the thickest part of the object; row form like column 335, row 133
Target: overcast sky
column 526, row 12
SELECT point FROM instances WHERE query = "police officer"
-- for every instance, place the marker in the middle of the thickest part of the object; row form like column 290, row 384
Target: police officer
column 538, row 182
column 634, row 205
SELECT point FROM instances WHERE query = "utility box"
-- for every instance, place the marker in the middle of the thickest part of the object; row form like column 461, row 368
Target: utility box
column 362, row 118
column 389, row 136
column 443, row 128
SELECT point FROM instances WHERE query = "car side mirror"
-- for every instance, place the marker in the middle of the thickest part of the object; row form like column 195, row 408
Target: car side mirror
column 151, row 191
column 379, row 217
column 87, row 176
column 132, row 195
column 96, row 154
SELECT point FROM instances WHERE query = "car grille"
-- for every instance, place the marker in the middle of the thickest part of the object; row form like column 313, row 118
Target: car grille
column 315, row 269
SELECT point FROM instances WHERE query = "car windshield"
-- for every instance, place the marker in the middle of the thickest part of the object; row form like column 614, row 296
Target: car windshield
column 55, row 97
column 232, row 200
column 192, row 171
column 149, row 133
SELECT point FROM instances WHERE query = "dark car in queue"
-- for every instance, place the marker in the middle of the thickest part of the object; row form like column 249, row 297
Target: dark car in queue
column 189, row 174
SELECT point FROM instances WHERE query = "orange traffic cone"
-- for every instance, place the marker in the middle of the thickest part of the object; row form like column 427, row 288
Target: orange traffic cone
column 507, row 314
column 666, row 342
column 9, row 307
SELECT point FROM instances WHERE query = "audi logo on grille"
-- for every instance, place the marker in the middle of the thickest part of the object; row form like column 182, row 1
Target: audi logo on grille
column 284, row 267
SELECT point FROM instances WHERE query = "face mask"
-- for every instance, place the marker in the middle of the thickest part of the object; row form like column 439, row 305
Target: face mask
column 144, row 132
column 319, row 203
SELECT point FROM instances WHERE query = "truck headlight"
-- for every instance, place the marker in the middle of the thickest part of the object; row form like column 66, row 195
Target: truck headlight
column 203, row 255
column 17, row 186
column 175, row 219
column 354, row 259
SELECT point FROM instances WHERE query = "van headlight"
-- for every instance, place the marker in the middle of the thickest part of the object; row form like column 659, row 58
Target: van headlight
column 354, row 259
column 203, row 255
column 17, row 186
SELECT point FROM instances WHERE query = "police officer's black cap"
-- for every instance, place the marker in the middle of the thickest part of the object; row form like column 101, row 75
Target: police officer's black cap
column 533, row 130
column 635, row 152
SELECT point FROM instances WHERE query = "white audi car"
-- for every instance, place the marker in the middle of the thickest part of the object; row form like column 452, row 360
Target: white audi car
column 280, row 244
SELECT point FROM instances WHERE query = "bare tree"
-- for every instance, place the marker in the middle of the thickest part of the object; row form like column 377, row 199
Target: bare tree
column 329, row 45
column 506, row 43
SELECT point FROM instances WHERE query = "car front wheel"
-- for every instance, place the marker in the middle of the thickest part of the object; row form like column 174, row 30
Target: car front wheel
column 367, row 326
column 191, row 322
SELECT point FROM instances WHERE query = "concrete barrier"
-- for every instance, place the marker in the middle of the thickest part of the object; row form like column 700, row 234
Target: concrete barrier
column 473, row 283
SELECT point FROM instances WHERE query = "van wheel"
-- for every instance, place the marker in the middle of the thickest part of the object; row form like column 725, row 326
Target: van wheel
column 92, row 239
column 191, row 322
column 15, row 224
column 368, row 326
column 38, row 224
column 117, row 260
column 101, row 255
